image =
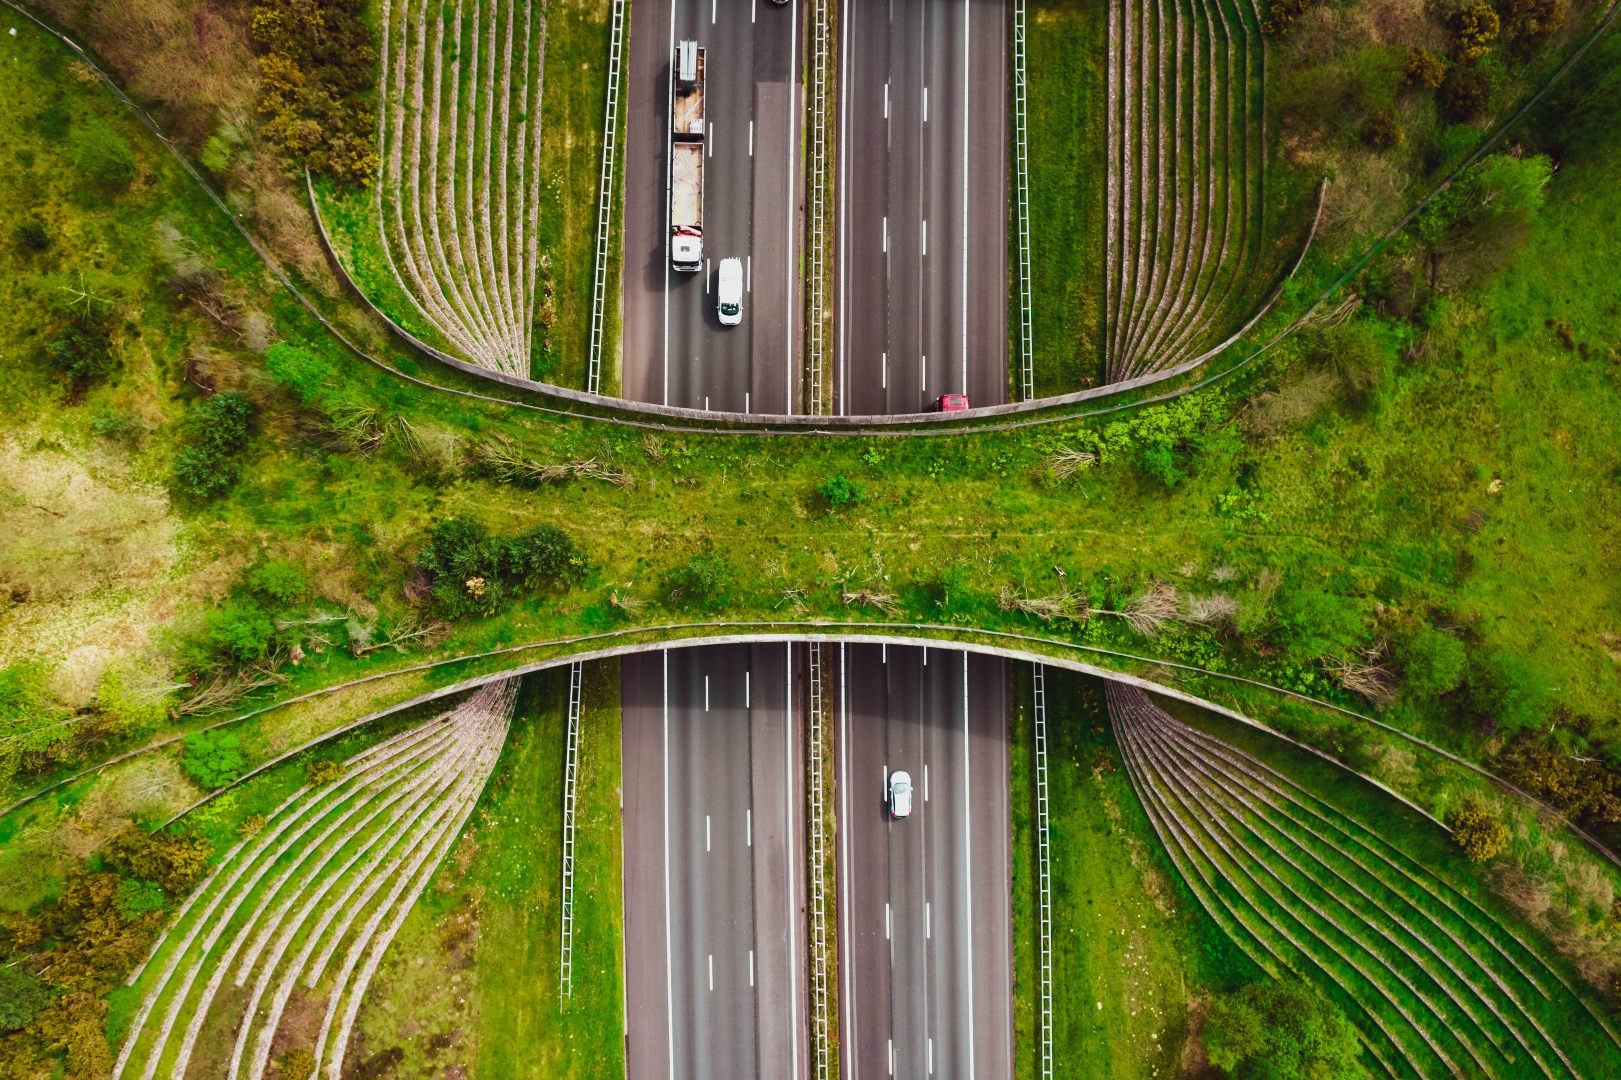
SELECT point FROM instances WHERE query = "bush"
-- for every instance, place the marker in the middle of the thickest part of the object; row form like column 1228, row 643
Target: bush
column 132, row 701
column 296, row 1064
column 31, row 234
column 297, row 369
column 838, row 492
column 1381, row 130
column 473, row 571
column 1281, row 1031
column 1505, row 692
column 213, row 759
column 82, row 351
column 1527, row 23
column 318, row 773
column 1314, row 623
column 1281, row 15
column 175, row 862
column 1477, row 830
column 219, row 427
column 1425, row 69
column 136, row 898
column 1432, row 662
column 317, row 75
column 1465, row 93
column 1474, row 27
column 240, row 631
column 105, row 159
column 701, row 582
column 204, row 473
column 22, row 998
column 281, row 581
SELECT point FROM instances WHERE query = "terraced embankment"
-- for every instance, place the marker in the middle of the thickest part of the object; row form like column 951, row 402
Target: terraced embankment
column 1186, row 147
column 294, row 921
column 1437, row 986
column 458, row 195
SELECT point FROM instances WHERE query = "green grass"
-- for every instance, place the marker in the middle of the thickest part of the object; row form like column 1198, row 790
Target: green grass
column 1067, row 107
column 477, row 962
column 1133, row 950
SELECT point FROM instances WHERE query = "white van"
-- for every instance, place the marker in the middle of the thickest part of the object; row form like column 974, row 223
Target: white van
column 729, row 292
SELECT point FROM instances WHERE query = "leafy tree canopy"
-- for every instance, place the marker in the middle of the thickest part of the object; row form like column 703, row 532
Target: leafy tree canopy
column 1281, row 1031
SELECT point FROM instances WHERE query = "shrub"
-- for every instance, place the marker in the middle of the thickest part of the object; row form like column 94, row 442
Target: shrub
column 1527, row 23
column 1425, row 69
column 1281, row 1031
column 105, row 159
column 213, row 759
column 1432, row 662
column 317, row 773
column 296, row 1064
column 203, row 473
column 134, row 702
column 702, row 581
column 124, row 427
column 297, row 369
column 174, row 861
column 22, row 998
column 240, row 631
column 1281, row 15
column 316, row 77
column 136, row 898
column 82, row 351
column 1477, row 830
column 31, row 234
column 1474, row 27
column 1465, row 93
column 838, row 492
column 1314, row 623
column 219, row 427
column 1505, row 692
column 473, row 571
column 1381, row 130
column 281, row 581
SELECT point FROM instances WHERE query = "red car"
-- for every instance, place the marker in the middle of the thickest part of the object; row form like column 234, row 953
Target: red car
column 950, row 403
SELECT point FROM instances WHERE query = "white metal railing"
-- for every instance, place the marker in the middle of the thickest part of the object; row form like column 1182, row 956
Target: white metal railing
column 1027, row 325
column 605, row 190
column 820, row 234
column 571, row 775
column 1044, row 875
column 819, row 1021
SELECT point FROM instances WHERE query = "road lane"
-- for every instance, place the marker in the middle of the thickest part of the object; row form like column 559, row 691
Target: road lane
column 926, row 930
column 675, row 350
column 713, row 890
column 923, row 204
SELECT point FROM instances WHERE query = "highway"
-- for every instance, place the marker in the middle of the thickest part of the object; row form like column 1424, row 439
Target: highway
column 922, row 247
column 713, row 803
column 675, row 352
column 925, row 913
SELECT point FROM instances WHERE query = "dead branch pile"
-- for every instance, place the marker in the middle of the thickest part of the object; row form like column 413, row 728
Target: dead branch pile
column 1057, row 607
column 887, row 603
column 504, row 460
column 1066, row 462
column 1366, row 675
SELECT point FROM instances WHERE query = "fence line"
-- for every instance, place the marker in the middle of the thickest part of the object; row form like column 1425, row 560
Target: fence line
column 1027, row 325
column 571, row 778
column 1044, row 872
column 605, row 187
column 818, row 882
column 820, row 236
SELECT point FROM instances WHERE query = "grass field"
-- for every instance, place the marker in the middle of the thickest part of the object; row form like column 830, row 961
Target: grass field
column 1134, row 953
column 473, row 978
column 1066, row 57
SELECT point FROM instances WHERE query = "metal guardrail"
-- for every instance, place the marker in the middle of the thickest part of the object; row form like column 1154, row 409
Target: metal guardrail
column 605, row 187
column 818, row 882
column 1027, row 323
column 820, row 233
column 571, row 776
column 1044, row 876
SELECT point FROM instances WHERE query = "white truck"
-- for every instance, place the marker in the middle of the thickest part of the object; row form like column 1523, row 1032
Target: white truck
column 687, row 159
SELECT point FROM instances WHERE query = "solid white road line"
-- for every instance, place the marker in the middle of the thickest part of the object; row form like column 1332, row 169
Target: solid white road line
column 968, row 862
column 788, row 817
column 966, row 51
column 789, row 264
column 669, row 178
column 706, row 833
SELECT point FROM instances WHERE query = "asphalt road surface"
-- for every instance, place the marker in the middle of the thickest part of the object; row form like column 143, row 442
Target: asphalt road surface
column 714, row 856
column 922, row 285
column 675, row 350
column 926, row 920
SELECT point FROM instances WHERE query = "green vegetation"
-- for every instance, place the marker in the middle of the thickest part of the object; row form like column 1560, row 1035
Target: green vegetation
column 214, row 759
column 470, row 571
column 319, row 76
column 1281, row 1031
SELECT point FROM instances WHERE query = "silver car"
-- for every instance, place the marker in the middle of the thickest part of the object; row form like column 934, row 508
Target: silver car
column 900, row 794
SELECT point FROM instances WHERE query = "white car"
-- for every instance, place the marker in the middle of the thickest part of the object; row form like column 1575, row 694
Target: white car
column 729, row 292
column 900, row 794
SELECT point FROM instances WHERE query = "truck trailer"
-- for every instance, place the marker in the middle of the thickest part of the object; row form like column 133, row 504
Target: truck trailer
column 687, row 159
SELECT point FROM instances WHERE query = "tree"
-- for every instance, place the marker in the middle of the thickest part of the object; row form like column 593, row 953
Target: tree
column 213, row 759
column 22, row 998
column 82, row 350
column 240, row 632
column 279, row 580
column 1465, row 93
column 1425, row 69
column 1477, row 830
column 1474, row 27
column 1281, row 1031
